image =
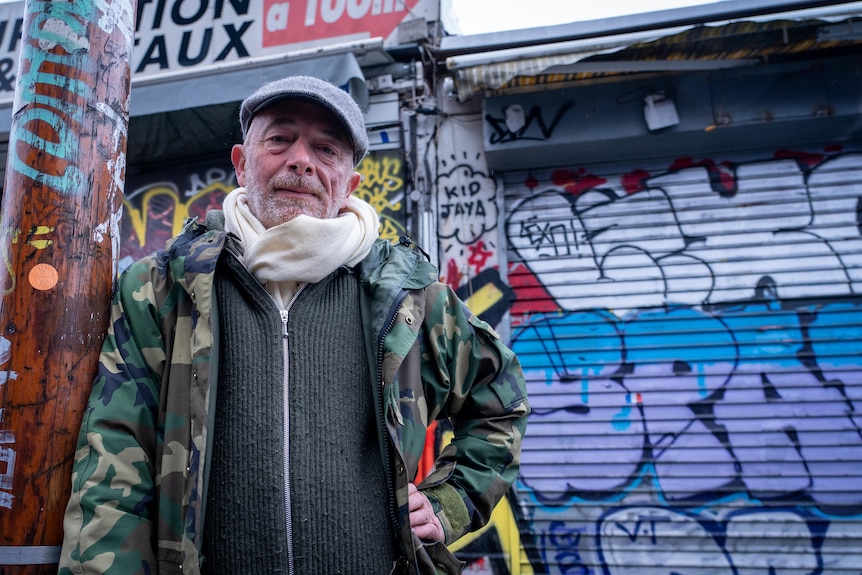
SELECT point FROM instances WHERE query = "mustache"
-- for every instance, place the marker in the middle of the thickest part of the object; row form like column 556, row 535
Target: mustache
column 296, row 182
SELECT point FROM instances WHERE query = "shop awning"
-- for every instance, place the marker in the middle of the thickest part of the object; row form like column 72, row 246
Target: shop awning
column 494, row 70
column 690, row 47
column 233, row 81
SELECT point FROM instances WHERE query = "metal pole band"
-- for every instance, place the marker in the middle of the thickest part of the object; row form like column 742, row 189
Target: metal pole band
column 30, row 555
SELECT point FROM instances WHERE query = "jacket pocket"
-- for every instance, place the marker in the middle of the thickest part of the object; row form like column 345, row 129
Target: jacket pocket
column 435, row 559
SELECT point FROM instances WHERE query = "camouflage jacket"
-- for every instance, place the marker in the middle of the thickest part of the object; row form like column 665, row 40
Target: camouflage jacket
column 139, row 476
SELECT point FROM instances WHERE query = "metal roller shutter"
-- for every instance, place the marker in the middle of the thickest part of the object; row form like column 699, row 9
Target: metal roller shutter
column 691, row 330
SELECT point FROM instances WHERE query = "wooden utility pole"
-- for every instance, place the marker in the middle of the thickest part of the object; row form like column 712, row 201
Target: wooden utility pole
column 59, row 240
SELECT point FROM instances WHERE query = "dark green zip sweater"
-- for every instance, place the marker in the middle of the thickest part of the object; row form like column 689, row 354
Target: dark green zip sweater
column 339, row 506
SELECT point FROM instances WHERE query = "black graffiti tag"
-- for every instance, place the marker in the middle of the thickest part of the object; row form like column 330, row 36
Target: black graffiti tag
column 463, row 200
column 503, row 134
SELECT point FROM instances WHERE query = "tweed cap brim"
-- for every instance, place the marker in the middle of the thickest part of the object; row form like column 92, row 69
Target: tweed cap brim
column 308, row 88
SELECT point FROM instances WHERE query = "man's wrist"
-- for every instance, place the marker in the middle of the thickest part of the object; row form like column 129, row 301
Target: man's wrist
column 450, row 510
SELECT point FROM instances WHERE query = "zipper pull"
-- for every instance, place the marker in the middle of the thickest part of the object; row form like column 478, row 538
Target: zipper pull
column 284, row 315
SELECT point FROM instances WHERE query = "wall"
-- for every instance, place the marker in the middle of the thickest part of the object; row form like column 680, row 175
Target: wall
column 468, row 213
column 696, row 377
column 690, row 328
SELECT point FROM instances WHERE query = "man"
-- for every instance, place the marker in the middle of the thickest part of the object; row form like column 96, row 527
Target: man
column 266, row 384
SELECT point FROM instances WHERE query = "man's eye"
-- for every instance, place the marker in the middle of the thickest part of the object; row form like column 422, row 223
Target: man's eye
column 328, row 150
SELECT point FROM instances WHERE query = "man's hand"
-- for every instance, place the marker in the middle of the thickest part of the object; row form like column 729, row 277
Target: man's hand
column 424, row 523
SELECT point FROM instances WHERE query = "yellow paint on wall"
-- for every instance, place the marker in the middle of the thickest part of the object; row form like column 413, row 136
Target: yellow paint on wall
column 484, row 298
column 138, row 216
column 382, row 186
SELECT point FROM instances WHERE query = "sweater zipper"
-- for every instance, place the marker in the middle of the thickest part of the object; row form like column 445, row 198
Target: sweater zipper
column 285, row 315
column 285, row 333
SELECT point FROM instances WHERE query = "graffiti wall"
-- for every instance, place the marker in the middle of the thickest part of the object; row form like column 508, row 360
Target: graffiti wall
column 691, row 331
column 468, row 212
column 156, row 206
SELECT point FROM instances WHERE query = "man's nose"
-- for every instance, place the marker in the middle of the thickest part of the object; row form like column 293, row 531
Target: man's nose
column 300, row 159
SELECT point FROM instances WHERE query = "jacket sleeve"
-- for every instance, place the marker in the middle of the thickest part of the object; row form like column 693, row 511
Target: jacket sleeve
column 476, row 381
column 108, row 522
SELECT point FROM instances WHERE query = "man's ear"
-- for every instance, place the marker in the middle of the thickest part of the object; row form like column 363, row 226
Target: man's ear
column 354, row 182
column 237, row 156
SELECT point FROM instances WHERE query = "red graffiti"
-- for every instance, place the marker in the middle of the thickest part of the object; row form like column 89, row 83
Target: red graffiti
column 635, row 181
column 576, row 183
column 683, row 163
column 453, row 275
column 806, row 158
column 722, row 175
column 530, row 296
column 479, row 256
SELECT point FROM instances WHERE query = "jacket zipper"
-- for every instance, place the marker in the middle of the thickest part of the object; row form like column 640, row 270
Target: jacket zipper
column 384, row 439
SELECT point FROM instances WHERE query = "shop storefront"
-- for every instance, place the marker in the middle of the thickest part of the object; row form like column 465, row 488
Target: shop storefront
column 685, row 264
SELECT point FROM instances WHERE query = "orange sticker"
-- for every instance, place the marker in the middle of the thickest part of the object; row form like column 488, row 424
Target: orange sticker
column 43, row 277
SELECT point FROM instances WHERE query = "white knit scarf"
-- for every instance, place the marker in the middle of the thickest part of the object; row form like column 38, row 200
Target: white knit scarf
column 303, row 250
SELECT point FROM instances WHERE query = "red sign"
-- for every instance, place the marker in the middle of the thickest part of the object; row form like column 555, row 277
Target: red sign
column 291, row 22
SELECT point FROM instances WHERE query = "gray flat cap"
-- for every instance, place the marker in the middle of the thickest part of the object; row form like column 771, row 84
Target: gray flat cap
column 312, row 89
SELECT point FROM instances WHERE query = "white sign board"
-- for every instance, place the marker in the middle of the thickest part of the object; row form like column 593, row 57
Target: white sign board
column 176, row 35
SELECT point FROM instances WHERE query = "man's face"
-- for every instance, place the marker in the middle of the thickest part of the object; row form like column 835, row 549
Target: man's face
column 296, row 159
